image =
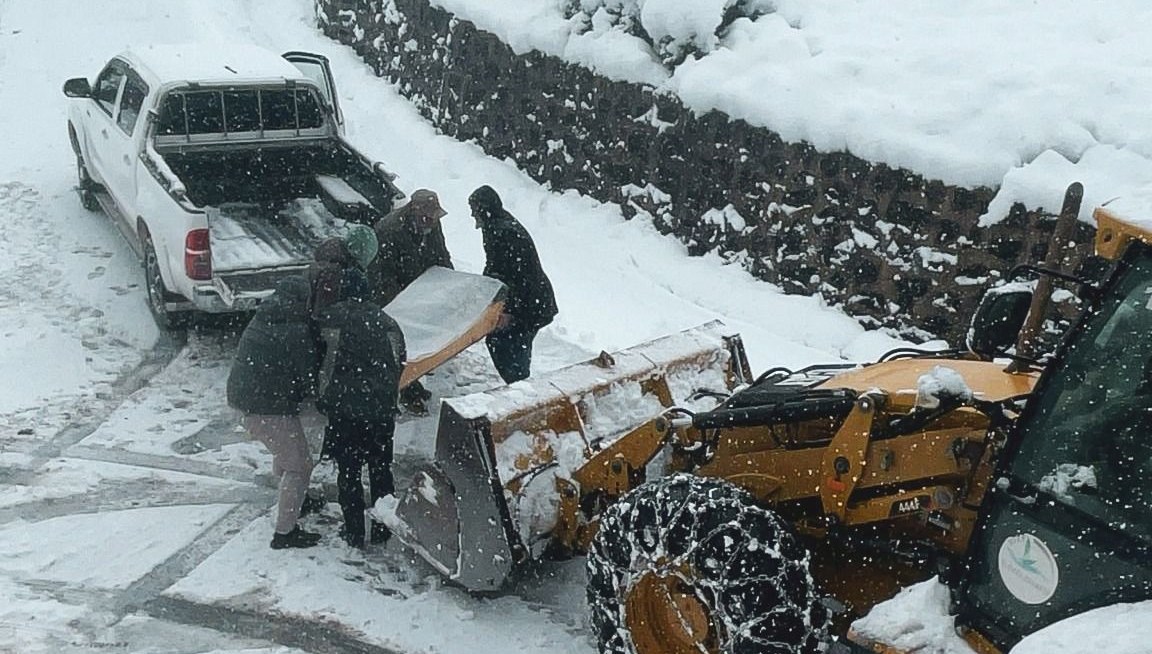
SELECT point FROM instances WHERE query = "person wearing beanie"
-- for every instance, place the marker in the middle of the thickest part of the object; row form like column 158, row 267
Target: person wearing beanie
column 358, row 380
column 362, row 245
column 411, row 241
column 511, row 257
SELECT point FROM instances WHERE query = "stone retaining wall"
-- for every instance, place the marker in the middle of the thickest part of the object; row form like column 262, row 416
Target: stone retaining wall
column 889, row 246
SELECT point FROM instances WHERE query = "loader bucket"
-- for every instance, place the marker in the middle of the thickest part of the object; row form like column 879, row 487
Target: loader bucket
column 456, row 500
column 489, row 501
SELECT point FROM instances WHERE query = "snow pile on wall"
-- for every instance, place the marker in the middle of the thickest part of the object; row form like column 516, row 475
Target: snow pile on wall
column 674, row 29
column 1061, row 95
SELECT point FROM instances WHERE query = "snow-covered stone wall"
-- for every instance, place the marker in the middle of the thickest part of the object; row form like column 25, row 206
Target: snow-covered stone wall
column 891, row 247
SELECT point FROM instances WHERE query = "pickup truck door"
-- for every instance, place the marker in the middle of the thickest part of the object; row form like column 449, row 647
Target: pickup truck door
column 122, row 145
column 316, row 67
column 99, row 124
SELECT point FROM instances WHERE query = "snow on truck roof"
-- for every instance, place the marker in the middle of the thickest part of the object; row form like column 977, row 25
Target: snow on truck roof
column 212, row 62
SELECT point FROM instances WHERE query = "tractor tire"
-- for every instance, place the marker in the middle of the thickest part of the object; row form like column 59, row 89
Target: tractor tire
column 158, row 295
column 690, row 565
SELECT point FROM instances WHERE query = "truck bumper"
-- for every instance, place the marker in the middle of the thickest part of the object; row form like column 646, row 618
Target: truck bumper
column 206, row 298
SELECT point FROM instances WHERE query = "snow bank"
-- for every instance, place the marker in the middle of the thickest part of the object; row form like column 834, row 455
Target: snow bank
column 1060, row 95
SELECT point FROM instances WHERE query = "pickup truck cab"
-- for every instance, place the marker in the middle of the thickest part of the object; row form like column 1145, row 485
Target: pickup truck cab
column 222, row 166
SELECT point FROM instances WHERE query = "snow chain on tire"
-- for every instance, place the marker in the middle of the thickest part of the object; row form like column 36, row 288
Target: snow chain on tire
column 730, row 577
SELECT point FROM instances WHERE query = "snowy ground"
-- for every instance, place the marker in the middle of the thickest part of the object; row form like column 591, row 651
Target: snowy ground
column 133, row 513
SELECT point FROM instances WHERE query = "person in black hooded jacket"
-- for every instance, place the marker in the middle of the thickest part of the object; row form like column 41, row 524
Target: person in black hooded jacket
column 530, row 305
column 273, row 371
column 358, row 384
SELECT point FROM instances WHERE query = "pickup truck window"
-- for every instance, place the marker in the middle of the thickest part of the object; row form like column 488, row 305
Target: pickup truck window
column 107, row 87
column 135, row 90
column 244, row 110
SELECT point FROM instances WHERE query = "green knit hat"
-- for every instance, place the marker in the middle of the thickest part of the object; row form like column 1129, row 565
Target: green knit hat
column 362, row 244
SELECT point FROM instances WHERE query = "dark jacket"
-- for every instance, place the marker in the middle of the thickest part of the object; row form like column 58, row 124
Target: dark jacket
column 511, row 257
column 364, row 355
column 404, row 255
column 276, row 359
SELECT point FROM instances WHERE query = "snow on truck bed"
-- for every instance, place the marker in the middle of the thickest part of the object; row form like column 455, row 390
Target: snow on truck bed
column 247, row 236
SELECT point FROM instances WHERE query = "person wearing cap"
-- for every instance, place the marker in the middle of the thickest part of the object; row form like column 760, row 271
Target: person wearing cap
column 358, row 379
column 411, row 241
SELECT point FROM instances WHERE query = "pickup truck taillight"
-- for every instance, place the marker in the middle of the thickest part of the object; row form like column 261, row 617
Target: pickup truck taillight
column 198, row 255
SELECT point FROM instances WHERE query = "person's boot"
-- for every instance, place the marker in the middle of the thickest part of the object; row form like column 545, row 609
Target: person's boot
column 380, row 533
column 295, row 538
column 353, row 538
column 312, row 504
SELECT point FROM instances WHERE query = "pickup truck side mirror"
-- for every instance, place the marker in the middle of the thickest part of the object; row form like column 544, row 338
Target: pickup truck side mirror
column 997, row 322
column 78, row 87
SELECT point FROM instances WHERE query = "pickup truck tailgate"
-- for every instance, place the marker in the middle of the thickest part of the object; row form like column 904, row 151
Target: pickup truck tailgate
column 253, row 247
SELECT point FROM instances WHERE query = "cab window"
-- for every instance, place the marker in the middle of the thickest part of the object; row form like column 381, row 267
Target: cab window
column 107, row 87
column 1090, row 443
column 232, row 111
column 131, row 101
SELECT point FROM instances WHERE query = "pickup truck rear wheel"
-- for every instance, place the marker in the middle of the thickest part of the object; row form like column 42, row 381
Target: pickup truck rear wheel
column 689, row 565
column 158, row 294
column 87, row 186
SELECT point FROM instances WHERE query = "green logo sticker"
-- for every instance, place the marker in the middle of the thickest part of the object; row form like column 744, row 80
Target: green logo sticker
column 1028, row 569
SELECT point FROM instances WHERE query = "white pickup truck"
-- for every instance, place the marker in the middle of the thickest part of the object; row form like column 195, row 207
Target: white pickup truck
column 222, row 166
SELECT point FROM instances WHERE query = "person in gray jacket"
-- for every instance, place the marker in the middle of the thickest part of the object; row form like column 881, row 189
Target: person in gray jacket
column 272, row 373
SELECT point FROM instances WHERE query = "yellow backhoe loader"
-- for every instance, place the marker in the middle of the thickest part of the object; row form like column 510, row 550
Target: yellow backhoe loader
column 726, row 513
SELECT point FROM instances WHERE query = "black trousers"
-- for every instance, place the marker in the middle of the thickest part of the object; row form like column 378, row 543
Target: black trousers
column 354, row 445
column 511, row 351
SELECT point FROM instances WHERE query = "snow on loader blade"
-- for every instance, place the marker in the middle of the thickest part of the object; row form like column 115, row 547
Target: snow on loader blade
column 490, row 499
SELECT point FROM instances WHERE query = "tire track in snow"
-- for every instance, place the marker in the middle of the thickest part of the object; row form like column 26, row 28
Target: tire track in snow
column 309, row 636
column 133, row 494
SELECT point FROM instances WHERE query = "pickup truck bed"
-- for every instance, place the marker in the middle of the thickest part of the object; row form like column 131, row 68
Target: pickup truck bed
column 275, row 175
column 268, row 208
column 249, row 236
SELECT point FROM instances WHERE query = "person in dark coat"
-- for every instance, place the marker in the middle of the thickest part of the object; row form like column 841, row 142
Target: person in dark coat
column 358, row 385
column 530, row 305
column 411, row 241
column 273, row 371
